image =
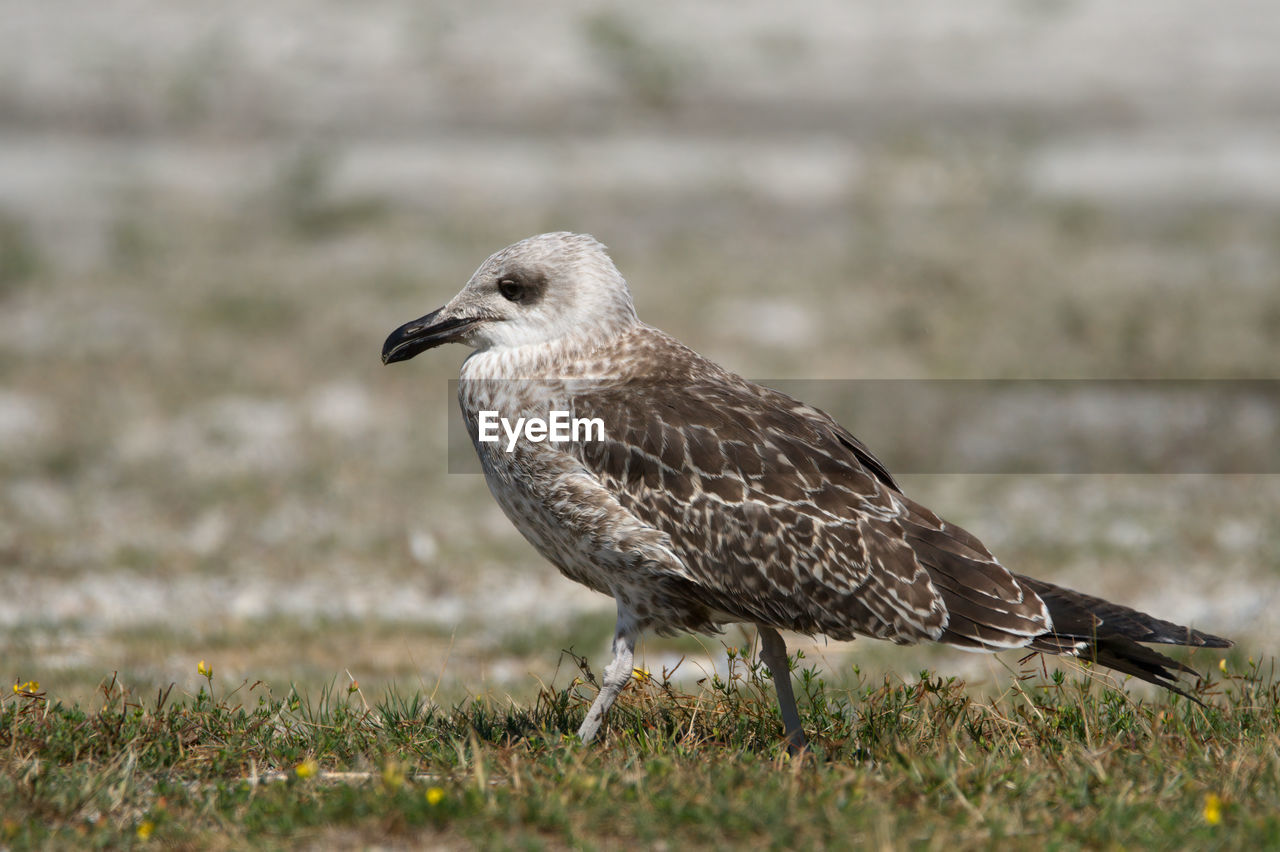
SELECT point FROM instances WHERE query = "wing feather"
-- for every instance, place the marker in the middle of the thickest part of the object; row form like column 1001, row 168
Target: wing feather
column 781, row 516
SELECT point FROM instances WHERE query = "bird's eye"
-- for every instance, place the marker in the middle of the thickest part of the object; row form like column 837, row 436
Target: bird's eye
column 510, row 290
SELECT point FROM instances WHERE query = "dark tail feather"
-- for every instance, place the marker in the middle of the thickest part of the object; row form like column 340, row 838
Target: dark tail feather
column 1087, row 616
column 1108, row 634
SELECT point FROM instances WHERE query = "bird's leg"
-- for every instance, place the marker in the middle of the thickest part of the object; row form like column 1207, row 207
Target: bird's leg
column 616, row 675
column 773, row 653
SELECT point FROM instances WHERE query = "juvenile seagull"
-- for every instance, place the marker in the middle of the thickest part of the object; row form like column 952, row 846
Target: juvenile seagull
column 712, row 500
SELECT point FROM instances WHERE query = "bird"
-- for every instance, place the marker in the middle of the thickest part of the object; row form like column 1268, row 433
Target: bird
column 708, row 500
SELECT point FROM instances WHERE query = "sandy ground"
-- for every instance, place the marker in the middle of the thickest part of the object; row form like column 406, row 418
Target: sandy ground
column 210, row 217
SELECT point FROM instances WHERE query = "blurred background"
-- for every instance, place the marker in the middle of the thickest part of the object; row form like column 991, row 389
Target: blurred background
column 212, row 214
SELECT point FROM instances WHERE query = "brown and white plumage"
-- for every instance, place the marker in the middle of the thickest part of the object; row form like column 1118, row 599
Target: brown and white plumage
column 713, row 500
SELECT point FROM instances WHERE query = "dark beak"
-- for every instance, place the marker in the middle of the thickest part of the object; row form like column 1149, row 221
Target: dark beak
column 422, row 334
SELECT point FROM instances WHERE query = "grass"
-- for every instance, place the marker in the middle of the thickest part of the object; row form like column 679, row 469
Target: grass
column 1055, row 762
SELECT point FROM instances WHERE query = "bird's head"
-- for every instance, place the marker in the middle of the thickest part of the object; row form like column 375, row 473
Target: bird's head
column 543, row 289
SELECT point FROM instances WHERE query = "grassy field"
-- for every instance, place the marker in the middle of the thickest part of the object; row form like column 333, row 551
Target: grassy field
column 1051, row 762
column 211, row 217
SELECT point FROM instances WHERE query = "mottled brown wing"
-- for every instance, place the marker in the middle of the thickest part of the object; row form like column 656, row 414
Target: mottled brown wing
column 782, row 517
column 989, row 607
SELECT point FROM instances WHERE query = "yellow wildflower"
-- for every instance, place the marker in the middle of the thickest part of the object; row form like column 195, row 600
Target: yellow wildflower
column 1212, row 809
column 145, row 829
column 641, row 675
column 435, row 796
column 1222, row 664
column 307, row 769
column 30, row 687
column 392, row 775
column 204, row 670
